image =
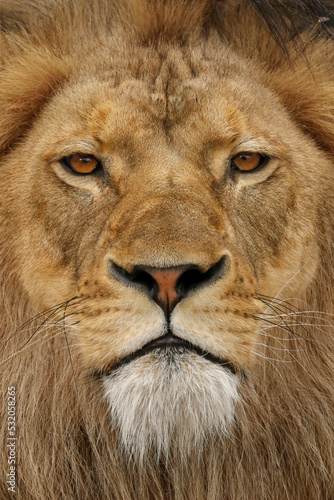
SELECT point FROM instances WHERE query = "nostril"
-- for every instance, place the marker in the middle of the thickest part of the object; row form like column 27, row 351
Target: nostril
column 146, row 281
column 139, row 278
column 193, row 278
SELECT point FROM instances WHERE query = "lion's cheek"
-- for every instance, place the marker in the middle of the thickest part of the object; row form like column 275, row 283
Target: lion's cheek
column 47, row 282
column 291, row 273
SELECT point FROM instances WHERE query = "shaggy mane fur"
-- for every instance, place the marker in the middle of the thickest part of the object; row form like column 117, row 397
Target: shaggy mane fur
column 282, row 445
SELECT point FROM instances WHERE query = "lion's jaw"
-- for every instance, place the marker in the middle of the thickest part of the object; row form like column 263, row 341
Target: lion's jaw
column 170, row 401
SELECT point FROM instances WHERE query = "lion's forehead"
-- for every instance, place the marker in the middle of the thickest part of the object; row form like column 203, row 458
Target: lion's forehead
column 167, row 90
column 155, row 105
column 188, row 114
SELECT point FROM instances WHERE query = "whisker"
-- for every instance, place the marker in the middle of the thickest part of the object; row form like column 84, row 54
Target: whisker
column 311, row 339
column 69, row 350
column 278, row 348
column 292, row 278
column 46, row 325
column 53, row 310
column 282, row 301
column 270, row 361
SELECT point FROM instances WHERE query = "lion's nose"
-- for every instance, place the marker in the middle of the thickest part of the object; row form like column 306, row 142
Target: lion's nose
column 167, row 286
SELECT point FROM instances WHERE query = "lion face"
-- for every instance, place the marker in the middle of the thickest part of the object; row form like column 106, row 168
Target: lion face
column 198, row 200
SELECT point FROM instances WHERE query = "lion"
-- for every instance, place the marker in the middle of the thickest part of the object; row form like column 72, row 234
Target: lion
column 167, row 242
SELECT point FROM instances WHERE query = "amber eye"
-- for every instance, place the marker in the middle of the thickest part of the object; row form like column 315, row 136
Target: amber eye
column 247, row 161
column 81, row 163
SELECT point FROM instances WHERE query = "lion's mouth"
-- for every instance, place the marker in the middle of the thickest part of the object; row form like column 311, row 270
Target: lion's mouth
column 166, row 343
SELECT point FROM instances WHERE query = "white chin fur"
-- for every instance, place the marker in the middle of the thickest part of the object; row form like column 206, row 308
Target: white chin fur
column 170, row 400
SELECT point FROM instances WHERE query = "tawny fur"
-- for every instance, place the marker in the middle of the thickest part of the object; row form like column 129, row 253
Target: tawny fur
column 281, row 444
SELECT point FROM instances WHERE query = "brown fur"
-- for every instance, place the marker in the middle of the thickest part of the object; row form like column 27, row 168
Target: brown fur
column 163, row 92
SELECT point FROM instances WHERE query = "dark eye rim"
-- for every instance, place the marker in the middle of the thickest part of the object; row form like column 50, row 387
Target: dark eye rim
column 98, row 170
column 263, row 162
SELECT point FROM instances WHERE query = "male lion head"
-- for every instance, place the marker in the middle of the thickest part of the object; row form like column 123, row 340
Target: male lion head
column 167, row 212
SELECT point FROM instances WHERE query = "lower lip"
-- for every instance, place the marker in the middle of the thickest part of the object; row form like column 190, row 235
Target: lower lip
column 166, row 343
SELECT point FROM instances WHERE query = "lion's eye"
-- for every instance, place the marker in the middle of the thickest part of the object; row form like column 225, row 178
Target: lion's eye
column 247, row 161
column 81, row 163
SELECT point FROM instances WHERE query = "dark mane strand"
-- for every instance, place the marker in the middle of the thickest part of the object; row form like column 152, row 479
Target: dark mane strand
column 288, row 19
column 285, row 19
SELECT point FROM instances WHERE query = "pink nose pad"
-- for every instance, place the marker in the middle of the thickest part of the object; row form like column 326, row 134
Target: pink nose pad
column 166, row 279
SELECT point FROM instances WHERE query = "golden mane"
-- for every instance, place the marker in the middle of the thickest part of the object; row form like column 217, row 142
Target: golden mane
column 282, row 443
